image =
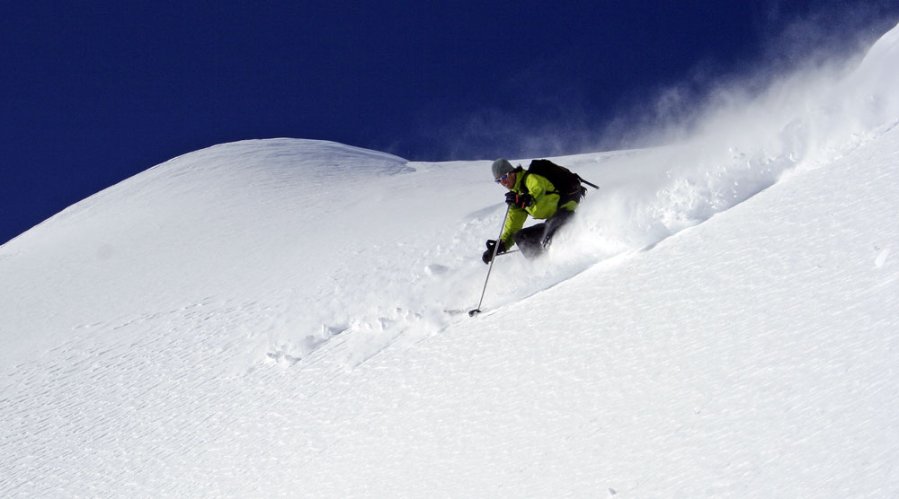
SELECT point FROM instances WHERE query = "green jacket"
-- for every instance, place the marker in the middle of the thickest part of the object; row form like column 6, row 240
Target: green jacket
column 545, row 205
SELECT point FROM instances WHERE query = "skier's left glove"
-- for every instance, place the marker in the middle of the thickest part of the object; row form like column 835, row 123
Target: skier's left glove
column 488, row 255
column 520, row 200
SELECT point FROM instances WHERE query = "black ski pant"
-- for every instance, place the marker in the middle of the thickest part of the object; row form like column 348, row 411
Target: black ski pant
column 533, row 240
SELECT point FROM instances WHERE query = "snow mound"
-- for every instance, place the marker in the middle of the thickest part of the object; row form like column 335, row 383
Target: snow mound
column 239, row 220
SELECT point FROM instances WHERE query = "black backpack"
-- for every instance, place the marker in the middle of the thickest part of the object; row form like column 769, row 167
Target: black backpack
column 566, row 182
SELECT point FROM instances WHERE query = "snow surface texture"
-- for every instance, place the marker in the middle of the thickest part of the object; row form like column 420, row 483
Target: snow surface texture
column 286, row 317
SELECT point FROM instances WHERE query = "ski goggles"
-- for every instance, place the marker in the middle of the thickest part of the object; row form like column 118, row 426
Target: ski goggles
column 503, row 178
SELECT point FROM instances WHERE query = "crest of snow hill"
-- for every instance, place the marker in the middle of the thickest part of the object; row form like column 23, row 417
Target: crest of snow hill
column 148, row 329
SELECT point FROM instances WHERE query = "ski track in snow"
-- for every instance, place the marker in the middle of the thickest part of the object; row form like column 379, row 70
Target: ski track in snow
column 288, row 317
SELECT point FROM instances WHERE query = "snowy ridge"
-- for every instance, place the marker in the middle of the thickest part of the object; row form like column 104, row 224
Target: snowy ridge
column 279, row 317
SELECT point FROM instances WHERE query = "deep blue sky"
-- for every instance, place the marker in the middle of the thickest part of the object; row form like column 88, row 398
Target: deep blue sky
column 93, row 92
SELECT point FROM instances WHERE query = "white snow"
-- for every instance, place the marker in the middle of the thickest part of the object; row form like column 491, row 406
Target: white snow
column 287, row 318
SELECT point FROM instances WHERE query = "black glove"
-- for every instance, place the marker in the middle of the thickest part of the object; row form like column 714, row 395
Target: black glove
column 520, row 200
column 488, row 255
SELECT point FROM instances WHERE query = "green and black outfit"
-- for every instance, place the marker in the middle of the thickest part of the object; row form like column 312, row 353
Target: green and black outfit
column 546, row 203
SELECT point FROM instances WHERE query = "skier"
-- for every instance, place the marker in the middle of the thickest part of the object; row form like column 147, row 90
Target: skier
column 532, row 193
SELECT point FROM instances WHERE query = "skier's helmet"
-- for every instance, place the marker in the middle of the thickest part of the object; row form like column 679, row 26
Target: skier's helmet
column 501, row 167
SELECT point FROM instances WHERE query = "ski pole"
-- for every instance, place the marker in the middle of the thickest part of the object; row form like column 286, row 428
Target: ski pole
column 472, row 313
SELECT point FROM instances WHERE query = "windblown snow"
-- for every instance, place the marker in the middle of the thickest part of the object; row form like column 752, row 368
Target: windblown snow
column 287, row 317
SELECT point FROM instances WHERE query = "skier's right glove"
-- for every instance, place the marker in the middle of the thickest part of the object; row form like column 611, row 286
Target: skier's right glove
column 491, row 244
column 519, row 200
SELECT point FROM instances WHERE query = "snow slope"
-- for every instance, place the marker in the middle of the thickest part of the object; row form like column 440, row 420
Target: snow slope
column 282, row 317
